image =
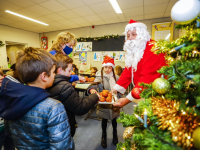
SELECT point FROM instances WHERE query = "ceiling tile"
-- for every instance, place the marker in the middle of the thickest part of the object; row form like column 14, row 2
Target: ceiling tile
column 39, row 1
column 98, row 22
column 44, row 19
column 72, row 3
column 101, row 7
column 83, row 11
column 39, row 10
column 85, row 24
column 155, row 9
column 135, row 18
column 6, row 20
column 20, row 24
column 112, row 20
column 27, row 13
column 167, row 14
column 8, row 6
column 133, row 12
column 75, row 26
column 121, row 17
column 170, row 5
column 53, row 6
column 110, row 15
column 125, row 4
column 22, row 3
column 2, row 13
column 88, row 2
column 56, row 24
column 67, row 22
column 68, row 14
column 153, row 2
column 55, row 17
column 151, row 16
column 92, row 18
column 78, row 20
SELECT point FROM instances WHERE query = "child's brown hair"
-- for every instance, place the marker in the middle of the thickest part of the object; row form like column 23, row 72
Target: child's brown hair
column 95, row 68
column 32, row 62
column 62, row 61
column 118, row 70
column 1, row 72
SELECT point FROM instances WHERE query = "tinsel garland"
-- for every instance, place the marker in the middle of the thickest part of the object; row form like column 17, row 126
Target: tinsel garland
column 85, row 39
column 180, row 123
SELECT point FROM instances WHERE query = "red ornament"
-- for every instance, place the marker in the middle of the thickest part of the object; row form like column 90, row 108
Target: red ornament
column 92, row 26
column 136, row 93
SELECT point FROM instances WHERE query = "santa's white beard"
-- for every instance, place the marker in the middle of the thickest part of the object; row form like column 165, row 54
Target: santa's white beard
column 134, row 50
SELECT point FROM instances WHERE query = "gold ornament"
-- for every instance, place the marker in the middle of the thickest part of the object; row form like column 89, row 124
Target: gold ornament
column 161, row 85
column 128, row 132
column 180, row 123
column 196, row 138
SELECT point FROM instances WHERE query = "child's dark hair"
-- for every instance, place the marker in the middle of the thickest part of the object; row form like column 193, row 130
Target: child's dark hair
column 95, row 68
column 32, row 62
column 118, row 70
column 62, row 61
column 1, row 72
column 102, row 75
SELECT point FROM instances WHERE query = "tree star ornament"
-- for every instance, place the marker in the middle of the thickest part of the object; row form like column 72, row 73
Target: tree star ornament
column 185, row 11
column 128, row 132
column 161, row 85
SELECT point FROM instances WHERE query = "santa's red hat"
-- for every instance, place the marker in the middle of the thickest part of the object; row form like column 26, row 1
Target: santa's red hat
column 132, row 24
column 108, row 61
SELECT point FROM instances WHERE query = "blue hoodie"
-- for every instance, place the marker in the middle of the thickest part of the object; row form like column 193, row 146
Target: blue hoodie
column 17, row 99
column 34, row 120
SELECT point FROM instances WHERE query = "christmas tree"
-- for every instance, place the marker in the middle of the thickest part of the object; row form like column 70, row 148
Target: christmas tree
column 169, row 115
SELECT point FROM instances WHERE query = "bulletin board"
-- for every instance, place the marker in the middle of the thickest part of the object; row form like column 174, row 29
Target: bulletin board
column 160, row 31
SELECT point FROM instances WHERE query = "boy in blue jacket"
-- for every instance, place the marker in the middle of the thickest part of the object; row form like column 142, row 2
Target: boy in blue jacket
column 34, row 120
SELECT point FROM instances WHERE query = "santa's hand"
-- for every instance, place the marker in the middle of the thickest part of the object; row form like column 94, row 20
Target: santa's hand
column 113, row 91
column 121, row 102
column 81, row 78
column 136, row 93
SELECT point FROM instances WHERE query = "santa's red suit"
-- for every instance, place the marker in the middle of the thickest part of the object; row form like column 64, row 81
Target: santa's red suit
column 146, row 71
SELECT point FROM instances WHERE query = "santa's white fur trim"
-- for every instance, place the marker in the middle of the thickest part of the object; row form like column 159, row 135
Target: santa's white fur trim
column 108, row 64
column 119, row 88
column 139, row 24
column 130, row 97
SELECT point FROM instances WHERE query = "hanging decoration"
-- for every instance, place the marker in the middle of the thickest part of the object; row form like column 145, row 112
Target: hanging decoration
column 85, row 39
column 44, row 42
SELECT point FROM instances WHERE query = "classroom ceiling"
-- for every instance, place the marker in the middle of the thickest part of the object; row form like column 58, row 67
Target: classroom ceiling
column 68, row 14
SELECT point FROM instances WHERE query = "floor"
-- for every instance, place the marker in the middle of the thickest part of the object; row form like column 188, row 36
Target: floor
column 88, row 133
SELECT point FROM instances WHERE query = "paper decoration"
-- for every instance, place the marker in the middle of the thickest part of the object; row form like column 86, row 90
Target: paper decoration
column 163, row 31
column 98, row 56
column 83, row 58
column 44, row 43
column 83, row 46
column 118, row 55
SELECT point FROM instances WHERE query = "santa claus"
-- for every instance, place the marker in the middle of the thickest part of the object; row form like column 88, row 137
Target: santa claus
column 141, row 64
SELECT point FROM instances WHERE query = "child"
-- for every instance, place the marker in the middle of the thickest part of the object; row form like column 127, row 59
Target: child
column 5, row 139
column 108, row 79
column 118, row 70
column 64, row 44
column 75, row 69
column 34, row 120
column 64, row 91
column 93, row 71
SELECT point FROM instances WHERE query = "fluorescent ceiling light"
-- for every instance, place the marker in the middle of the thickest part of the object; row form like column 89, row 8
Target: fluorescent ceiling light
column 16, row 14
column 115, row 6
column 167, row 37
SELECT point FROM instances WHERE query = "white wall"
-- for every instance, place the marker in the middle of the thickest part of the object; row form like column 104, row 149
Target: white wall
column 101, row 30
column 16, row 35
